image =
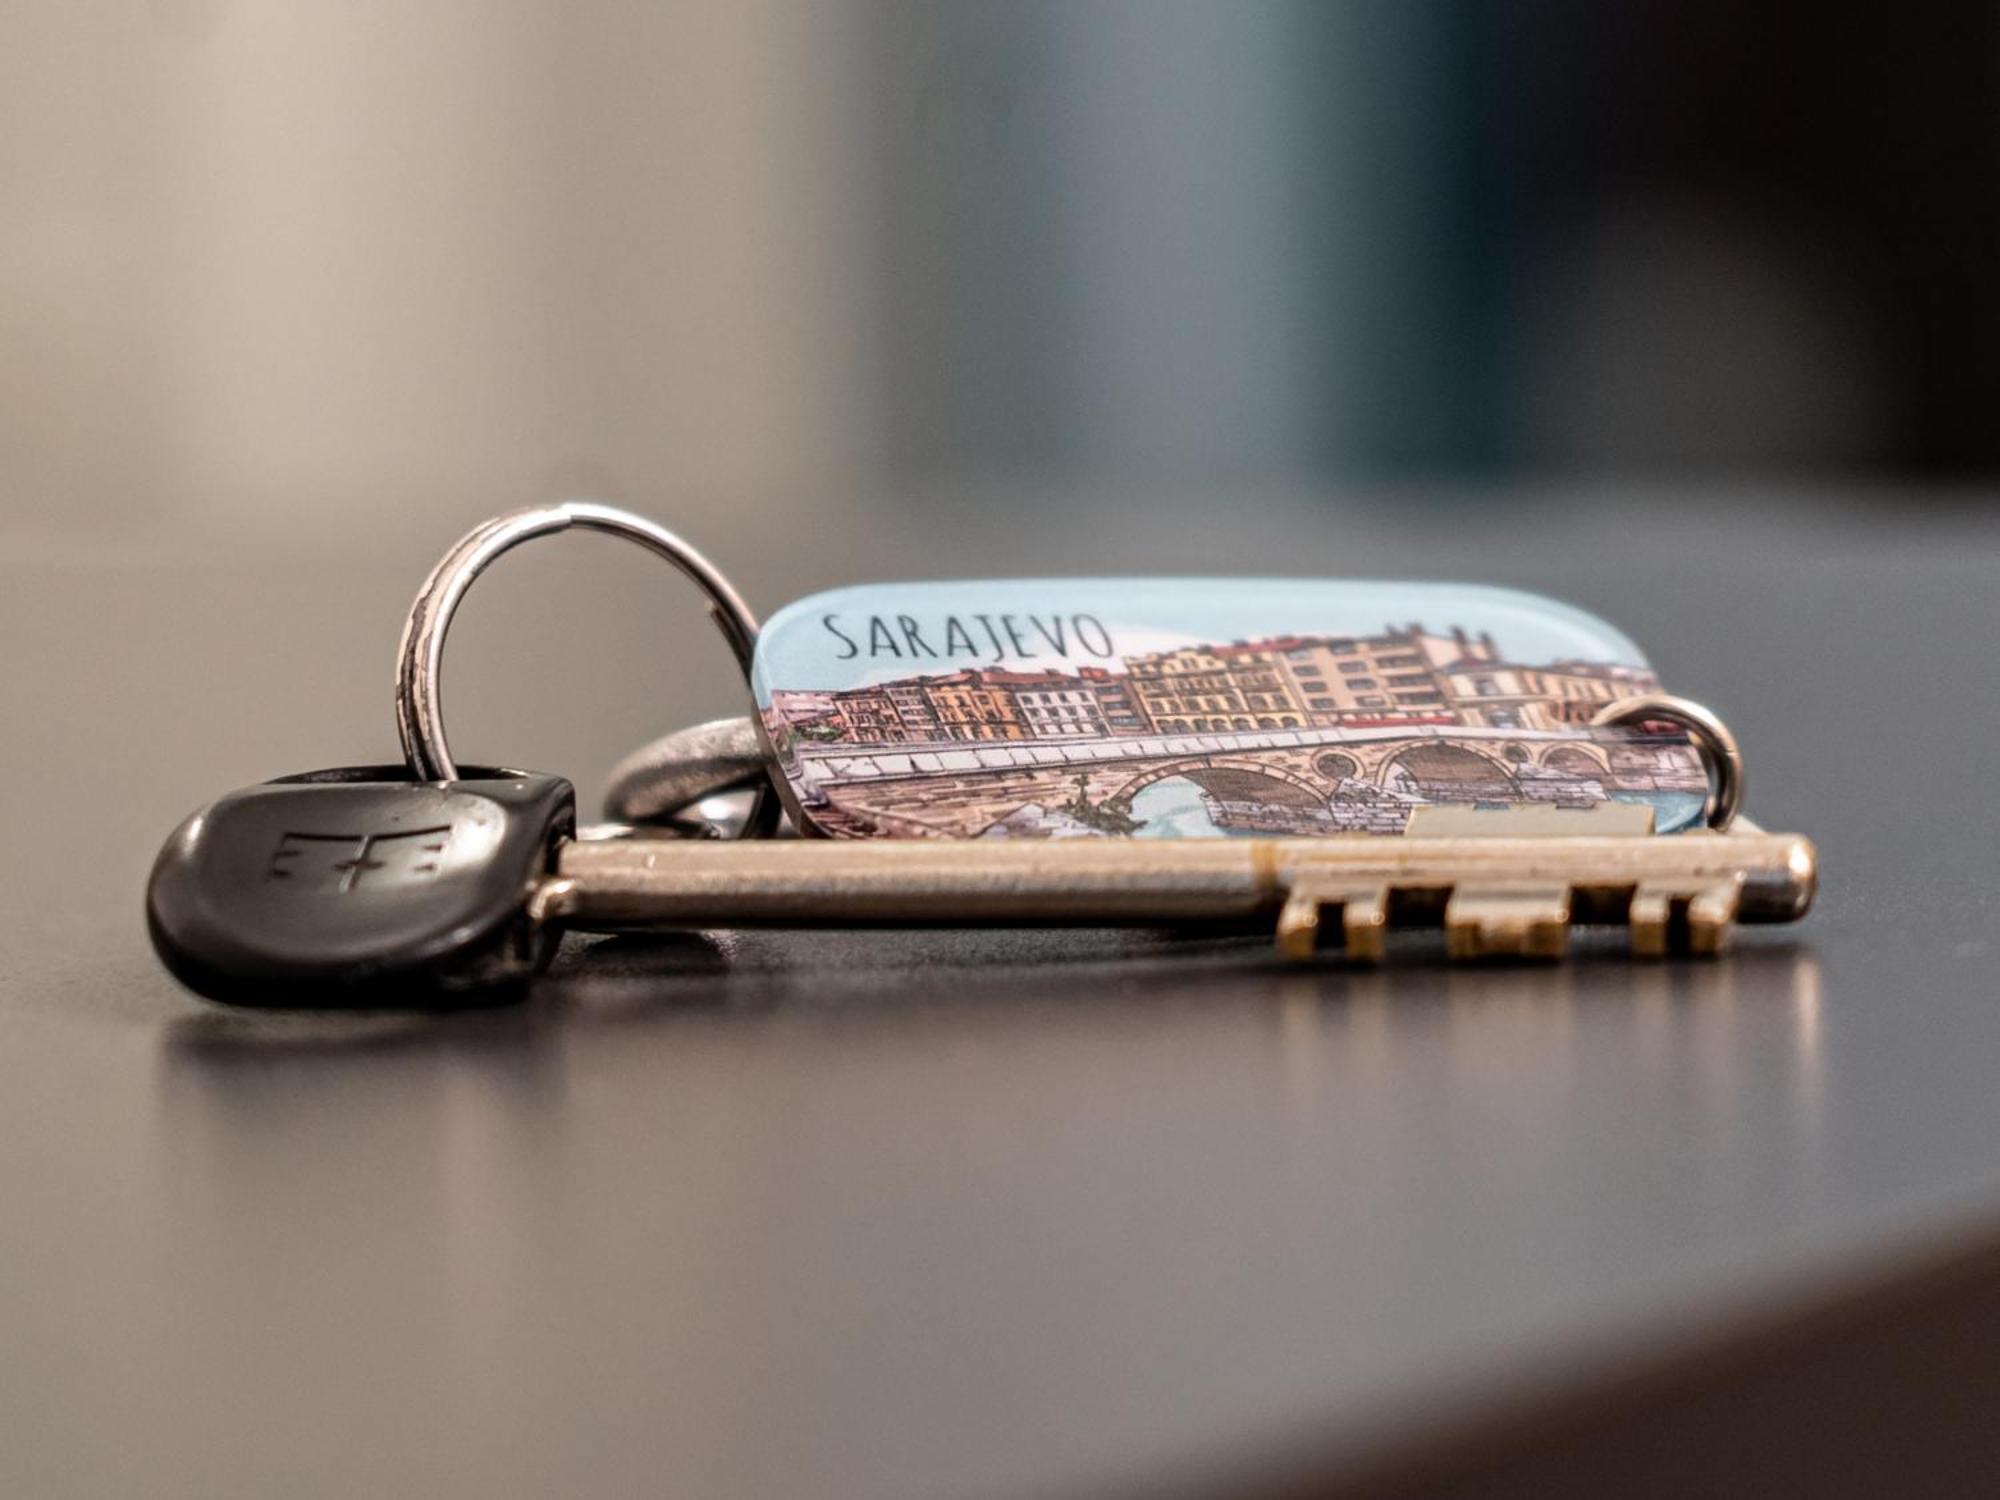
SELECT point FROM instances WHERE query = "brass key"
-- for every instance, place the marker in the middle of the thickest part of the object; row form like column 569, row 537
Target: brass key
column 1493, row 896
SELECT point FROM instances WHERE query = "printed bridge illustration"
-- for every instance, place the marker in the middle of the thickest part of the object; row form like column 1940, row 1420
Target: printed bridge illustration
column 1282, row 781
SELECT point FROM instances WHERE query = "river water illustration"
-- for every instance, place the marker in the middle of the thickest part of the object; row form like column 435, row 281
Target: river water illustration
column 1176, row 808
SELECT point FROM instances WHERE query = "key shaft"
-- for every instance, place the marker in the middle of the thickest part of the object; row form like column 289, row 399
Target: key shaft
column 1492, row 895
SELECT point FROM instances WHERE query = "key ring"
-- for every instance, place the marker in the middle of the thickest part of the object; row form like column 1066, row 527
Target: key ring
column 664, row 779
column 420, row 656
column 1712, row 739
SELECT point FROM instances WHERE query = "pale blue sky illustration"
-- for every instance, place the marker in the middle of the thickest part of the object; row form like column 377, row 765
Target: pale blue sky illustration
column 798, row 650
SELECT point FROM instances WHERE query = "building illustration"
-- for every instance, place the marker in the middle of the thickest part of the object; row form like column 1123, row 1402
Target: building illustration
column 1289, row 734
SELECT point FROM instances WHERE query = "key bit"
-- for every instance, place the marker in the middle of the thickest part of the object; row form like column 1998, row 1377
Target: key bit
column 362, row 887
column 1507, row 921
column 1667, row 918
column 1364, row 920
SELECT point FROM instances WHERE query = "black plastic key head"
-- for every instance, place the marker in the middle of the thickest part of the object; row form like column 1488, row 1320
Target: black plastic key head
column 360, row 887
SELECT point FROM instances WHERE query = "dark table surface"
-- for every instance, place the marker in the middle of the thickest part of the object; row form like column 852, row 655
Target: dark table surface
column 990, row 1214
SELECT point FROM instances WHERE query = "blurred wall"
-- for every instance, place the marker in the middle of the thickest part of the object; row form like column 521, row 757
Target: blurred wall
column 1440, row 239
column 293, row 265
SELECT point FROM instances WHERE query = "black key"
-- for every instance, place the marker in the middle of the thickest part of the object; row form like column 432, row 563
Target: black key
column 361, row 887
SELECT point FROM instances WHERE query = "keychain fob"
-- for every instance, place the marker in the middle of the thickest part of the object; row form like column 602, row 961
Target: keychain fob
column 360, row 886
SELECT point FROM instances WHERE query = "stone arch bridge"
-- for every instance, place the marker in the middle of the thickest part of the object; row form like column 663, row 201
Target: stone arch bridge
column 1283, row 781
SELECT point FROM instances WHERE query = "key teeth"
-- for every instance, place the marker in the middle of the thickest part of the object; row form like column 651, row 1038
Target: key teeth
column 1364, row 921
column 1513, row 920
column 1650, row 920
column 1507, row 922
column 1697, row 920
column 1712, row 917
column 1298, row 924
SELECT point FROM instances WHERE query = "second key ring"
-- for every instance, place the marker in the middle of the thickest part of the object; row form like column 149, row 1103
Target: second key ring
column 1720, row 757
column 420, row 656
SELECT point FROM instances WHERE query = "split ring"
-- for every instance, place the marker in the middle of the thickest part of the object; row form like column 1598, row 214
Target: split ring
column 662, row 780
column 1712, row 740
column 420, row 656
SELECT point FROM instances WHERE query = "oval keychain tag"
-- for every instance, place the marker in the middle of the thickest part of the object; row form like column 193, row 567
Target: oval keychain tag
column 1188, row 708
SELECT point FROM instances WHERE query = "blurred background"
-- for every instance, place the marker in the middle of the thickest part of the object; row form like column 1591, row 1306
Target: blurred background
column 322, row 265
column 858, row 288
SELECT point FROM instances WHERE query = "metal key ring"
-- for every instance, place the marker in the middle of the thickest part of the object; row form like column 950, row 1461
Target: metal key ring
column 666, row 777
column 1712, row 739
column 420, row 656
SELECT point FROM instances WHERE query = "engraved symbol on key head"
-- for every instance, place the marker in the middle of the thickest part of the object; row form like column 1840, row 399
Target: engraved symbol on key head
column 335, row 864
